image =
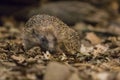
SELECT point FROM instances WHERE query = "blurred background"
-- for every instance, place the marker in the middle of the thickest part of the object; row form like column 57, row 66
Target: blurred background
column 70, row 11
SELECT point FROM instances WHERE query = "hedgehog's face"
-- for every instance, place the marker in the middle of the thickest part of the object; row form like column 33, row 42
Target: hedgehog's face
column 47, row 42
column 45, row 39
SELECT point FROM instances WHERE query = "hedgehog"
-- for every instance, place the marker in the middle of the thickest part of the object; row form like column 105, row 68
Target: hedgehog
column 50, row 34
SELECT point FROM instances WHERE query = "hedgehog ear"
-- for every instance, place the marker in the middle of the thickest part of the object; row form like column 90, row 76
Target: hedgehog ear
column 33, row 31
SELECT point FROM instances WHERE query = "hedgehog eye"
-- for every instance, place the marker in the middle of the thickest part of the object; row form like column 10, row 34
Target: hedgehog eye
column 43, row 38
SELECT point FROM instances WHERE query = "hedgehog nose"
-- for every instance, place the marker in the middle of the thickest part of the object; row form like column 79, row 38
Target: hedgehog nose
column 51, row 47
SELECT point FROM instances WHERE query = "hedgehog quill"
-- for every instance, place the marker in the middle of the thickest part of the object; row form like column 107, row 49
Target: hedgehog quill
column 50, row 34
